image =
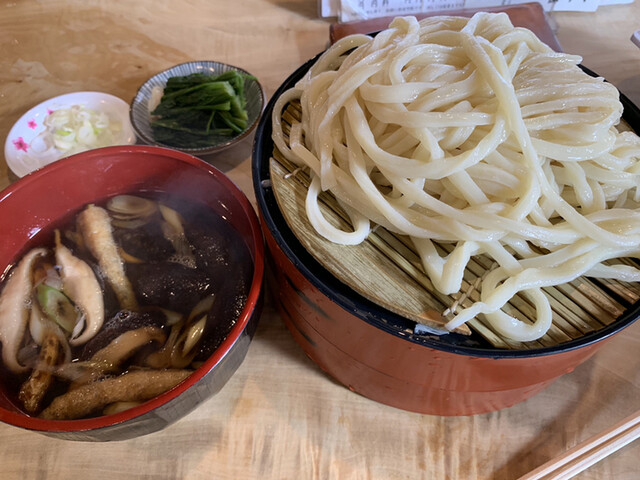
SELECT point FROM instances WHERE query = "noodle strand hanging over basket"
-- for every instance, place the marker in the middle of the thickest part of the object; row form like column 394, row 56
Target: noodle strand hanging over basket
column 474, row 133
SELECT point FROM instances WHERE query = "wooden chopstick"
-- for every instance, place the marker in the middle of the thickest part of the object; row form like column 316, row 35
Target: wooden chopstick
column 589, row 452
column 635, row 38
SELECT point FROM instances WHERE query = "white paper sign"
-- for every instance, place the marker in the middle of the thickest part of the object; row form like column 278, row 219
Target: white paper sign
column 363, row 9
column 351, row 10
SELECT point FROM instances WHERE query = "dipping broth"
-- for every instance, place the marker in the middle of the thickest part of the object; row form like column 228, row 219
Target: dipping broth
column 119, row 303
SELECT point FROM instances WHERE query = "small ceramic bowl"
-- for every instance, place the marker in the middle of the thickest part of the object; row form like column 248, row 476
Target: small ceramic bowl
column 140, row 110
column 42, row 199
column 24, row 156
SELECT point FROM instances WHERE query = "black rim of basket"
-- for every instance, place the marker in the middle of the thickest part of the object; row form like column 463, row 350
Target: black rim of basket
column 356, row 304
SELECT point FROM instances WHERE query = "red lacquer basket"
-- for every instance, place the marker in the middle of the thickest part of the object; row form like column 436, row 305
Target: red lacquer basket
column 376, row 352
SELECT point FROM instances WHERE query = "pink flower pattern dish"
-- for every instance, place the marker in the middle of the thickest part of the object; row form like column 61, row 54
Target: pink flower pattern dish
column 20, row 144
column 24, row 156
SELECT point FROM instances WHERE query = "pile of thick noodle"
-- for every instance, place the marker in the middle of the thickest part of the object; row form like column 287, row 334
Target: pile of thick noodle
column 474, row 133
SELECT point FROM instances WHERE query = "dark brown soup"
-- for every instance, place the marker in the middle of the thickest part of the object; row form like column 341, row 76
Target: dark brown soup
column 119, row 303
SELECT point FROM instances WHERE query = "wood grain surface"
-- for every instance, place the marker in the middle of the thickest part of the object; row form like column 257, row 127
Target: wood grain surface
column 280, row 416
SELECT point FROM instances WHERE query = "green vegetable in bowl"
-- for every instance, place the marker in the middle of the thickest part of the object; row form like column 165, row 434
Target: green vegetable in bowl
column 57, row 306
column 200, row 110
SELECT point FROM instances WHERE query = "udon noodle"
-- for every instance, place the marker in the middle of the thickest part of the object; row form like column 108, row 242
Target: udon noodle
column 474, row 133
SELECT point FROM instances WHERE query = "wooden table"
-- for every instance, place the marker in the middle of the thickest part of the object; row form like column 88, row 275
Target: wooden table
column 280, row 417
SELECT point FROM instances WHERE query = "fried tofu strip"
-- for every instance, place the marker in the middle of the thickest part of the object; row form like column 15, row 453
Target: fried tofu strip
column 95, row 226
column 34, row 389
column 140, row 385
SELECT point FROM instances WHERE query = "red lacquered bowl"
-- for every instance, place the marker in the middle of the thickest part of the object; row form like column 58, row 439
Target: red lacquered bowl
column 373, row 351
column 52, row 193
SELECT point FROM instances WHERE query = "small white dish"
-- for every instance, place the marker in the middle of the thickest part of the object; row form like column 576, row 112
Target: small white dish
column 19, row 153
